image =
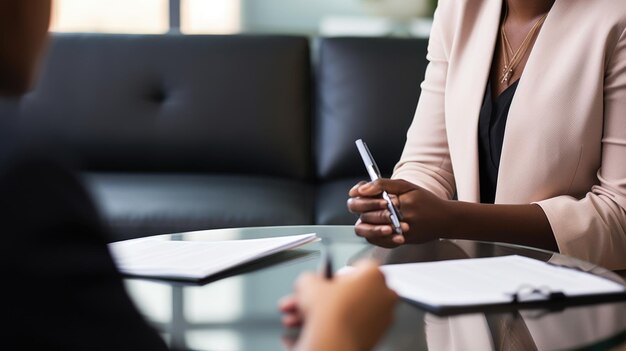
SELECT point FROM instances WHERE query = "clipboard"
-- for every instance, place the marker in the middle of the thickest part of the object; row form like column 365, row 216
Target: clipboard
column 497, row 283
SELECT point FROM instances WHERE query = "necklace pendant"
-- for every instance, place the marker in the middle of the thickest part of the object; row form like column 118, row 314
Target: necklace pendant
column 506, row 75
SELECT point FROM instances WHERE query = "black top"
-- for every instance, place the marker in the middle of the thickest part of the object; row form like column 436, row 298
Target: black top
column 491, row 126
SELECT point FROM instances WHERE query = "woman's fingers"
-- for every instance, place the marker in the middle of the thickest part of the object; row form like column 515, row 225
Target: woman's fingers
column 375, row 188
column 374, row 222
column 292, row 317
column 381, row 217
column 288, row 304
column 378, row 234
column 354, row 191
column 292, row 320
column 365, row 197
column 366, row 189
column 376, row 217
column 365, row 204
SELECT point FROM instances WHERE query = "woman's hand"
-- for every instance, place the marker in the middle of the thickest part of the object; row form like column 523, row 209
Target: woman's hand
column 426, row 217
column 423, row 215
column 349, row 312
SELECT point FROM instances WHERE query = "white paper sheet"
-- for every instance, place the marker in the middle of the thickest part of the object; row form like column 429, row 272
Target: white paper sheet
column 194, row 260
column 491, row 280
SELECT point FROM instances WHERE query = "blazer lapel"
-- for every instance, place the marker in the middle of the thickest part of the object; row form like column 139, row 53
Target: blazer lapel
column 468, row 71
column 532, row 133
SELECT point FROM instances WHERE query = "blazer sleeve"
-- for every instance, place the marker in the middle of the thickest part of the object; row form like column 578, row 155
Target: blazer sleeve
column 425, row 160
column 594, row 228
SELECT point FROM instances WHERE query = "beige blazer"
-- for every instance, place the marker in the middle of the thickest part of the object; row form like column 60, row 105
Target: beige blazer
column 589, row 326
column 565, row 140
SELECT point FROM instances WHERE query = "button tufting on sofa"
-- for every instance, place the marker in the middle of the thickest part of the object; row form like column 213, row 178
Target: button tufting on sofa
column 231, row 130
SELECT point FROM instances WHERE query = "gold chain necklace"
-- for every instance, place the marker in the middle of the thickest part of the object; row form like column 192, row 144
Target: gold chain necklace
column 511, row 64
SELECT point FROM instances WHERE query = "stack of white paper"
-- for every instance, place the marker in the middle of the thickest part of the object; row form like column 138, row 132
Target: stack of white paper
column 194, row 260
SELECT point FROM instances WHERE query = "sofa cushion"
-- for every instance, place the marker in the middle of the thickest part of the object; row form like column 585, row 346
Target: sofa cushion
column 183, row 133
column 366, row 88
column 229, row 104
column 145, row 204
column 331, row 202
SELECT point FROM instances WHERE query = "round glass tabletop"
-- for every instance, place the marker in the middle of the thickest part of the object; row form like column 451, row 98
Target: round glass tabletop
column 237, row 310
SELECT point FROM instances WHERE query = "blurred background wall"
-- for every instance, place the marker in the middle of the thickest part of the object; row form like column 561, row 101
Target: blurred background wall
column 304, row 17
column 294, row 15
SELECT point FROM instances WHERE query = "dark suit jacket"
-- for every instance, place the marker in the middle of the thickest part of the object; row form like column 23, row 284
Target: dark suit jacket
column 60, row 289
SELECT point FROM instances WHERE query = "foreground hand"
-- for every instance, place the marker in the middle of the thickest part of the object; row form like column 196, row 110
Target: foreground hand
column 424, row 215
column 349, row 312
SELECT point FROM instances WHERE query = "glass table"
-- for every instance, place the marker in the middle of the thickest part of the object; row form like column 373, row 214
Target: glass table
column 238, row 311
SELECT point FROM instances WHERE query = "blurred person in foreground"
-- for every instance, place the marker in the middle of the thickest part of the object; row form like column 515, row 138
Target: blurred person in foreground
column 62, row 290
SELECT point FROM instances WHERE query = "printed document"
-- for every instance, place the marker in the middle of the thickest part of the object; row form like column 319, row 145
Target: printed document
column 195, row 260
column 493, row 280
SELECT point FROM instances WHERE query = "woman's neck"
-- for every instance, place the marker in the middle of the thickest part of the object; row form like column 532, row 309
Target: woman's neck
column 525, row 10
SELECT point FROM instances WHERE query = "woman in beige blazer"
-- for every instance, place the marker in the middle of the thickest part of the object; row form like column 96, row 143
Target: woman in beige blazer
column 561, row 178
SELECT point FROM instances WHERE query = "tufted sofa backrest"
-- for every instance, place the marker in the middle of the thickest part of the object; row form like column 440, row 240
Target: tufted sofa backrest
column 366, row 88
column 231, row 104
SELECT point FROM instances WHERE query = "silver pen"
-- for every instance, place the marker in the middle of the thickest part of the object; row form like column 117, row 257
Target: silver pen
column 374, row 173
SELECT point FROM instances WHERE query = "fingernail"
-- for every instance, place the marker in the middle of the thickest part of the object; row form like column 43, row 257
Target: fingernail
column 398, row 239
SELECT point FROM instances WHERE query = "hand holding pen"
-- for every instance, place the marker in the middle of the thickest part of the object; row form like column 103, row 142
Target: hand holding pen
column 425, row 216
column 348, row 312
column 289, row 305
column 388, row 207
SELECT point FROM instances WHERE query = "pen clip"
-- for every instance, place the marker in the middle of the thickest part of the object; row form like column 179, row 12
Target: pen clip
column 543, row 293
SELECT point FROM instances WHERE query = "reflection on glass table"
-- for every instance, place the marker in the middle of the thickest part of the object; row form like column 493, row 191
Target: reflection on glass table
column 238, row 312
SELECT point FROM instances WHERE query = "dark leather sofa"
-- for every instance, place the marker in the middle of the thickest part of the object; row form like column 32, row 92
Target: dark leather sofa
column 177, row 133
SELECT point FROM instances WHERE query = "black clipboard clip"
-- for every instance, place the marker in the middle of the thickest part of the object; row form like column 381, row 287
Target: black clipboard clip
column 548, row 300
column 530, row 293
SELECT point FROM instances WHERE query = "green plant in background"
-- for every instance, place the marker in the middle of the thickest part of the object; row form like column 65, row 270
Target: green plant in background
column 433, row 6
